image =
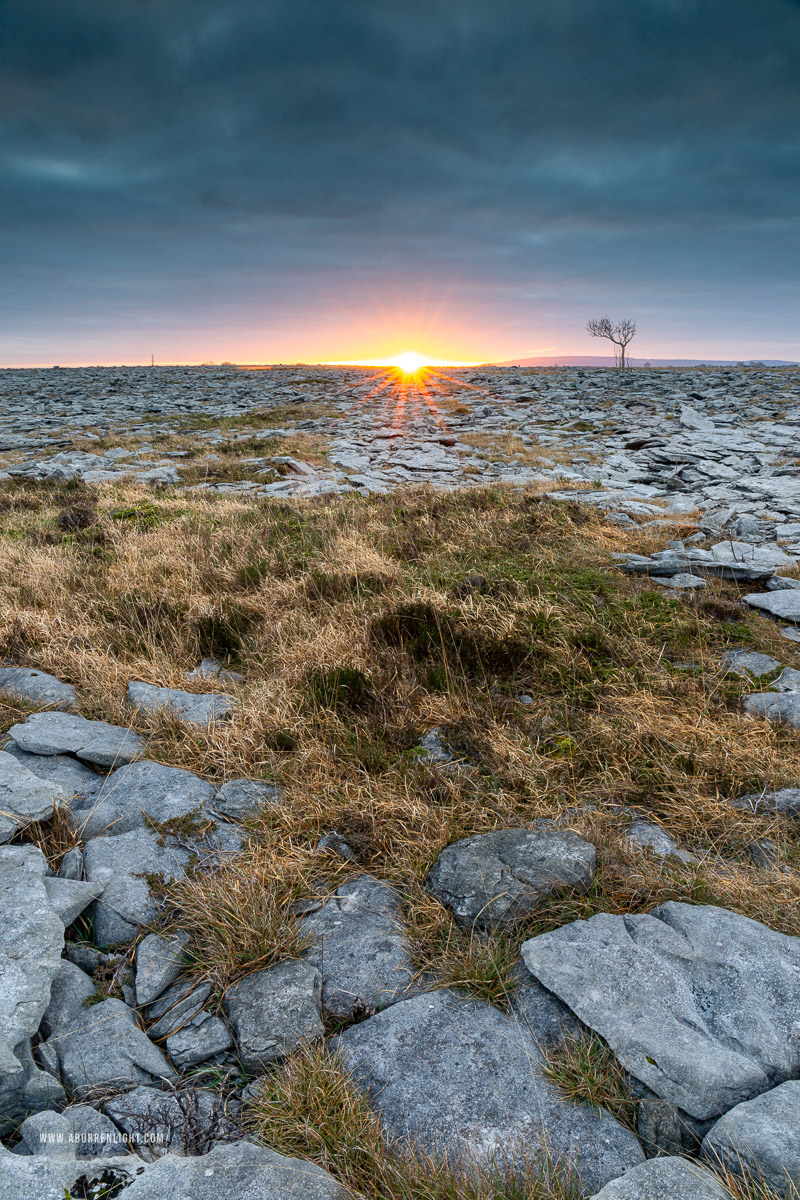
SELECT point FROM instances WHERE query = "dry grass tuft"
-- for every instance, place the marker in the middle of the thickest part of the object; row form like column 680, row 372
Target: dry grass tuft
column 584, row 1070
column 54, row 837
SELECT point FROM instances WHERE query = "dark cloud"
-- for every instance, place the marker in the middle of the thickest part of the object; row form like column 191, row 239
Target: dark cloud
column 193, row 153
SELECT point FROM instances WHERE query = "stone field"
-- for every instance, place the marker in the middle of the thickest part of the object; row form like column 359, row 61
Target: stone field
column 128, row 1069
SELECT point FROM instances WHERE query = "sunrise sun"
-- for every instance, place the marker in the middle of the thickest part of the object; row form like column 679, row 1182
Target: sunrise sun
column 410, row 363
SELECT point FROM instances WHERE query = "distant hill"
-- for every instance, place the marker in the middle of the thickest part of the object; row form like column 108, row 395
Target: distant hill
column 589, row 360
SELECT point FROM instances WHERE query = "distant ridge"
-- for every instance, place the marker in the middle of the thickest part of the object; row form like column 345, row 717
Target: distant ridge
column 588, row 360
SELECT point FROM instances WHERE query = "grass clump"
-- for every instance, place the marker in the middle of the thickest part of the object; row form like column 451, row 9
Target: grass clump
column 585, row 1070
column 309, row 1108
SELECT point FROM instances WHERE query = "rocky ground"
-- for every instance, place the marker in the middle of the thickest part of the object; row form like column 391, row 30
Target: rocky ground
column 443, row 843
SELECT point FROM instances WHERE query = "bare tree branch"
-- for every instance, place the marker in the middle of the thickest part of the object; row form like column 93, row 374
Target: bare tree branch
column 620, row 333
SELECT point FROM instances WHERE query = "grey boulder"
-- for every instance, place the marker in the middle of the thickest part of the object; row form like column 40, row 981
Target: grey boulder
column 47, row 1133
column 695, row 1001
column 69, row 776
column 212, row 668
column 104, row 1047
column 785, row 801
column 241, row 798
column 784, row 603
column 241, row 1171
column 646, row 836
column 69, row 897
column 66, row 733
column 665, row 1179
column 274, row 1011
column 452, row 1075
column 496, row 879
column 176, row 1007
column 761, row 1138
column 70, row 989
column 203, row 1037
column 358, row 943
column 159, row 962
column 203, row 709
column 31, row 940
column 38, row 688
column 23, row 797
column 92, row 1133
column 781, row 707
column 122, row 801
column 121, row 865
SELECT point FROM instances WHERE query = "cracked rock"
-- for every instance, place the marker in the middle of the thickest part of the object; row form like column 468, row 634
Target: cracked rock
column 496, row 879
column 274, row 1011
column 358, row 943
column 454, row 1075
column 66, row 733
column 694, row 1000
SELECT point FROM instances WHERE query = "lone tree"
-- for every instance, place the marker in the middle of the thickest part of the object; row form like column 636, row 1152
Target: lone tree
column 620, row 334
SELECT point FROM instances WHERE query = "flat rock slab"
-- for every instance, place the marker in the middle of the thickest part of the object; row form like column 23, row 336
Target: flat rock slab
column 785, row 801
column 66, row 733
column 240, row 1171
column 451, row 1074
column 31, row 941
column 36, row 687
column 358, row 943
column 496, row 879
column 781, row 707
column 750, row 662
column 69, row 897
column 274, row 1011
column 784, row 603
column 42, row 1177
column 681, row 582
column 106, row 1048
column 23, row 797
column 196, row 709
column 122, row 801
column 241, row 798
column 204, row 1037
column 697, row 1002
column 669, row 563
column 761, row 1138
column 665, row 1179
column 120, row 865
column 750, row 554
column 159, row 962
column 69, row 775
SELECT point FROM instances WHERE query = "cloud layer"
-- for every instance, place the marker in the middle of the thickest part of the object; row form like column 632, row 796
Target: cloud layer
column 289, row 177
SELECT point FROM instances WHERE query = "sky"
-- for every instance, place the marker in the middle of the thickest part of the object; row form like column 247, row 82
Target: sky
column 329, row 180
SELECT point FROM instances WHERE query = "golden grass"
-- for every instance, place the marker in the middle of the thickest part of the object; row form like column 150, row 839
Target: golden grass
column 360, row 624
